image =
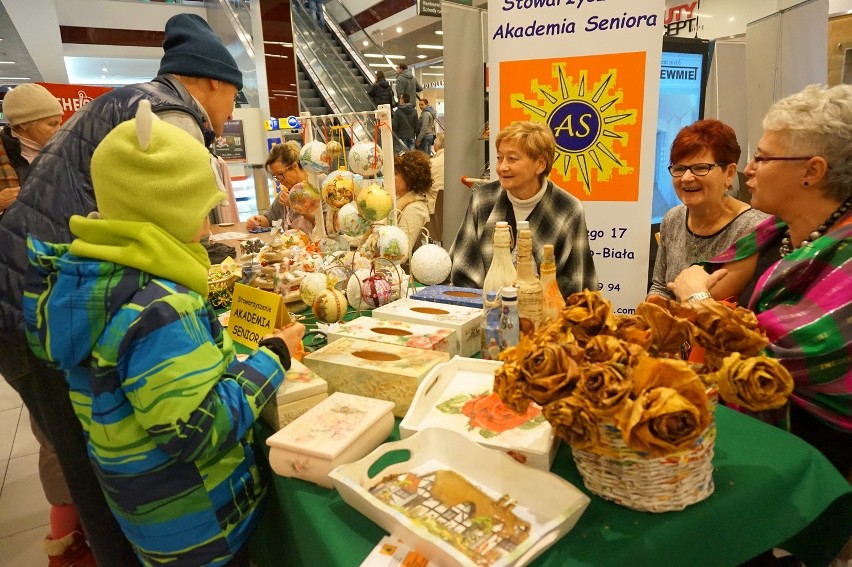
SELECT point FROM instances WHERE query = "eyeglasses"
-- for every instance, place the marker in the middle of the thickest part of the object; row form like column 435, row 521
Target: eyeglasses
column 758, row 158
column 697, row 169
column 281, row 176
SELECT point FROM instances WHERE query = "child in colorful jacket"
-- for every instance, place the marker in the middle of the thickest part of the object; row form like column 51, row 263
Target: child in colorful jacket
column 166, row 407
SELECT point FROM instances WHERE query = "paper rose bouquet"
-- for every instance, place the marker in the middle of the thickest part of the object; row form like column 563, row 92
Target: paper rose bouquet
column 590, row 367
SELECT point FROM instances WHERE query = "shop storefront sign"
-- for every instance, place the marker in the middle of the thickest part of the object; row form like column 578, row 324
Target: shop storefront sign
column 74, row 97
column 429, row 8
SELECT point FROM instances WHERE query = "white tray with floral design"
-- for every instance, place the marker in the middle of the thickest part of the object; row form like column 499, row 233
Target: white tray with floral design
column 459, row 503
column 457, row 395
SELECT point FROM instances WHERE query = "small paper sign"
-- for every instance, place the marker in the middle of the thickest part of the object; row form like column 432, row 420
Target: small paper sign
column 255, row 313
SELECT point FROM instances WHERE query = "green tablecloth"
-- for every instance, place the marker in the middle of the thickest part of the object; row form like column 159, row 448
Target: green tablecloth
column 772, row 489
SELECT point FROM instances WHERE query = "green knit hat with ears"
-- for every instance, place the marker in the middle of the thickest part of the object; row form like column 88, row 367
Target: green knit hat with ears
column 147, row 170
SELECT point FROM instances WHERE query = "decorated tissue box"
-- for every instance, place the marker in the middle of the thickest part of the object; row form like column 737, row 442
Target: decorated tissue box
column 451, row 295
column 302, row 389
column 278, row 416
column 397, row 333
column 377, row 370
column 464, row 321
column 457, row 395
column 340, row 429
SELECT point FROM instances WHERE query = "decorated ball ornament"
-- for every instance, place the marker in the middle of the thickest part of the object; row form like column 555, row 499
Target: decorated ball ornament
column 334, row 148
column 304, row 198
column 295, row 237
column 351, row 221
column 353, row 289
column 338, row 188
column 311, row 286
column 431, row 264
column 330, row 306
column 374, row 203
column 315, row 157
column 365, row 158
column 392, row 243
column 376, row 291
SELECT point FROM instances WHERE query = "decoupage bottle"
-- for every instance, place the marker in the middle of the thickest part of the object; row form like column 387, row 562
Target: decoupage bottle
column 509, row 322
column 529, row 287
column 490, row 329
column 501, row 272
column 522, row 225
column 552, row 300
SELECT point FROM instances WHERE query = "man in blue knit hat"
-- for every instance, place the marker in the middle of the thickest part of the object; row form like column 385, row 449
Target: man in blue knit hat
column 194, row 90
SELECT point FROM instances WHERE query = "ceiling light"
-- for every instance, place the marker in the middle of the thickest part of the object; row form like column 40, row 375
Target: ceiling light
column 365, row 43
column 398, row 29
column 382, row 65
column 439, row 32
column 380, row 56
column 436, row 66
column 421, row 57
column 432, row 74
column 427, row 46
column 15, row 78
column 7, row 62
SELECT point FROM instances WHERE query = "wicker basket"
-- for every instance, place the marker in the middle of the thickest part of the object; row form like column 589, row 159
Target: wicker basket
column 632, row 479
column 219, row 290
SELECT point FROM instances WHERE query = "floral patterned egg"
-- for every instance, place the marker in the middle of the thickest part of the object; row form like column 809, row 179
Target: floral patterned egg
column 315, row 157
column 353, row 289
column 376, row 291
column 431, row 264
column 351, row 222
column 338, row 188
column 330, row 306
column 304, row 198
column 311, row 286
column 374, row 203
column 392, row 243
column 295, row 237
column 365, row 158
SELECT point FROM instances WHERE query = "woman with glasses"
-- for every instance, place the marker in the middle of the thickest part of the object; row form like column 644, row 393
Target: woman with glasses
column 284, row 167
column 703, row 166
column 801, row 290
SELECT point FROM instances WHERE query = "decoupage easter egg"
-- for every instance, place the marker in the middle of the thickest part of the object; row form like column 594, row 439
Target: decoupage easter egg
column 338, row 276
column 351, row 222
column 374, row 203
column 304, row 198
column 353, row 289
column 330, row 306
column 311, row 286
column 376, row 291
column 431, row 264
column 334, row 148
column 365, row 158
column 315, row 157
column 338, row 188
column 295, row 237
column 392, row 243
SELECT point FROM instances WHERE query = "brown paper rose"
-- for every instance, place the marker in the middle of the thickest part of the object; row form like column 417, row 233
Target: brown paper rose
column 572, row 421
column 723, row 330
column 634, row 330
column 661, row 422
column 669, row 373
column 606, row 386
column 509, row 387
column 669, row 332
column 544, row 360
column 587, row 314
column 606, row 348
column 756, row 383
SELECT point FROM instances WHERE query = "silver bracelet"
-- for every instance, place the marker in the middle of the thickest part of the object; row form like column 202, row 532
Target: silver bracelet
column 698, row 296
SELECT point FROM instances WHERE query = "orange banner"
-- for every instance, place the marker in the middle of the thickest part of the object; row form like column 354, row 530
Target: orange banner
column 74, row 97
column 594, row 105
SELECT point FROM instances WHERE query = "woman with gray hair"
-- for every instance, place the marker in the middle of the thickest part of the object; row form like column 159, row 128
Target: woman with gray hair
column 800, row 288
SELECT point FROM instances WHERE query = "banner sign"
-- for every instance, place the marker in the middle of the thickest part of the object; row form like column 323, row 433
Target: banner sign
column 429, row 8
column 255, row 313
column 590, row 71
column 231, row 145
column 73, row 97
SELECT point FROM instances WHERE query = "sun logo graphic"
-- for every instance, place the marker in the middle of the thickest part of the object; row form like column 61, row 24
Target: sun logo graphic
column 592, row 104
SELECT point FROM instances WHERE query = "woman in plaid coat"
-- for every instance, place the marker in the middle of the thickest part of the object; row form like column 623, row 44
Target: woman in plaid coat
column 525, row 153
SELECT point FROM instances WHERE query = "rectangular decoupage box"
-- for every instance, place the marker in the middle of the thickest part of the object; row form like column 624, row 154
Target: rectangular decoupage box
column 451, row 295
column 341, row 429
column 398, row 333
column 463, row 320
column 376, row 370
column 301, row 390
column 458, row 395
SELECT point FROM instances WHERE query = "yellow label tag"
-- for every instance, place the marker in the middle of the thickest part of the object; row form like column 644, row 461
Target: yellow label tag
column 255, row 313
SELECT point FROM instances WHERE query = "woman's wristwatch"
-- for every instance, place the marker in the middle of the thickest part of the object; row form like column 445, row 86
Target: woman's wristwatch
column 279, row 347
column 698, row 296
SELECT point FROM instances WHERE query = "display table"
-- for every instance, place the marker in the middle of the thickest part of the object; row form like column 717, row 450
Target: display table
column 772, row 490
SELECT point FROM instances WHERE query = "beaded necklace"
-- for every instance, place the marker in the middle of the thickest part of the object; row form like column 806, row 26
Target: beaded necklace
column 787, row 246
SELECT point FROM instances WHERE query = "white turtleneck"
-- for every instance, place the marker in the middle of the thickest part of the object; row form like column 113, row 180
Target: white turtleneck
column 523, row 207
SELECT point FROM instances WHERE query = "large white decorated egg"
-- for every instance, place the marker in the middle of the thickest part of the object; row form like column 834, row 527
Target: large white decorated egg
column 365, row 158
column 374, row 203
column 338, row 188
column 431, row 264
column 315, row 157
column 392, row 243
column 311, row 286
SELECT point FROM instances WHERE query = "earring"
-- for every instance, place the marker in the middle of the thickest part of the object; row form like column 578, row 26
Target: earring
column 805, row 183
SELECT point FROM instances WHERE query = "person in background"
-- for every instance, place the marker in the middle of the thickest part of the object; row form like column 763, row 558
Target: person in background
column 413, row 176
column 406, row 83
column 525, row 153
column 283, row 166
column 426, row 132
column 436, row 193
column 380, row 91
column 801, row 289
column 194, row 90
column 34, row 116
column 404, row 121
column 166, row 407
column 704, row 158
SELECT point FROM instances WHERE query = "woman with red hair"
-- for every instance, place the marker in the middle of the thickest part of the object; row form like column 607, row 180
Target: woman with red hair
column 703, row 166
